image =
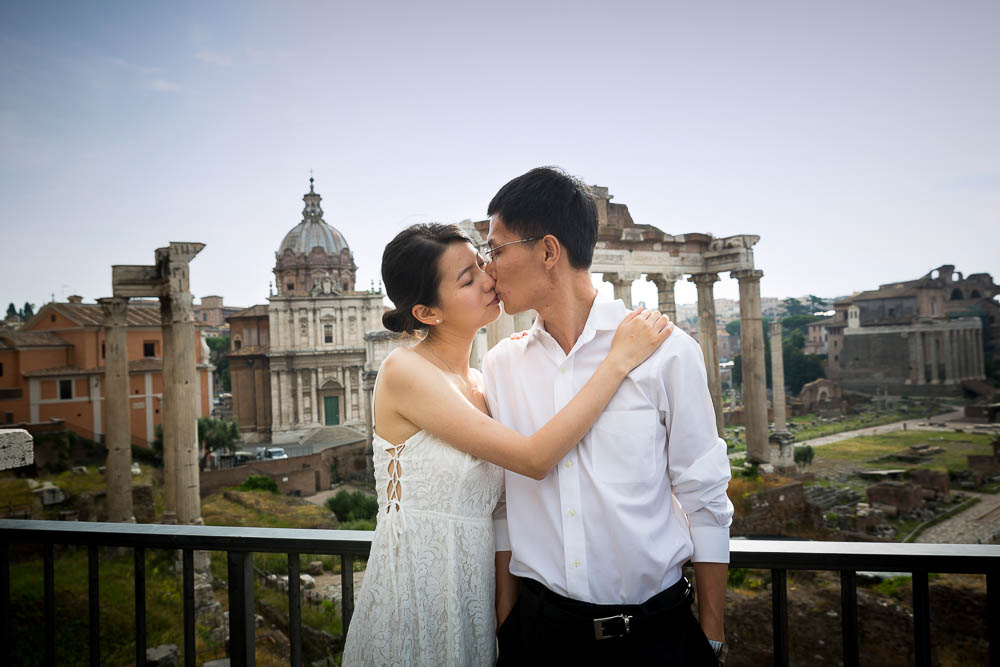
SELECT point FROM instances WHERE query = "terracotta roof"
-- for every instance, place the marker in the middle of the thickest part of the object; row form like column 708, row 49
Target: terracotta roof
column 144, row 365
column 90, row 314
column 22, row 338
column 252, row 311
column 893, row 291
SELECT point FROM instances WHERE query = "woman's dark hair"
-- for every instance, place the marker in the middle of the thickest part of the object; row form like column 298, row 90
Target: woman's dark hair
column 547, row 200
column 410, row 271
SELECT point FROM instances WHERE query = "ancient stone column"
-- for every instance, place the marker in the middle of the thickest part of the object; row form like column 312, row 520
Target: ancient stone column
column 622, row 284
column 300, row 399
column 918, row 337
column 168, row 405
column 778, row 379
column 963, row 354
column 313, row 381
column 932, row 345
column 708, row 336
column 181, row 374
column 979, row 372
column 949, row 357
column 754, row 379
column 665, row 301
column 116, row 405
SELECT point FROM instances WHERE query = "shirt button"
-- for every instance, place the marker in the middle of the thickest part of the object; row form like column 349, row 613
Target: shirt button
column 572, row 513
column 568, row 464
column 576, row 563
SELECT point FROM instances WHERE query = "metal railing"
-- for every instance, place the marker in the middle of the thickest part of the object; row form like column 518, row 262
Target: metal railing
column 241, row 543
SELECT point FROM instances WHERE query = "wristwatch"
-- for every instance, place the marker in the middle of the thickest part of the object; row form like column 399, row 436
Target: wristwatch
column 720, row 649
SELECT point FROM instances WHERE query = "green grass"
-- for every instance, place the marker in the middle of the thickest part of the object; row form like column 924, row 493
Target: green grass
column 867, row 450
column 164, row 611
column 231, row 507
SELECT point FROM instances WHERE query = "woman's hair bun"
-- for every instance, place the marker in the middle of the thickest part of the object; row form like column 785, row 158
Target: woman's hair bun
column 400, row 321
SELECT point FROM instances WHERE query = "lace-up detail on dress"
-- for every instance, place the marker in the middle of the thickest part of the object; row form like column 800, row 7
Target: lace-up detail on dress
column 428, row 592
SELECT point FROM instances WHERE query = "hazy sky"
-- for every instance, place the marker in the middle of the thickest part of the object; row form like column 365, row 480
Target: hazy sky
column 859, row 140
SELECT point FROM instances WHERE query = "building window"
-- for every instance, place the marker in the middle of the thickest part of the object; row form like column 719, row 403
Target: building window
column 149, row 348
column 9, row 417
column 1, row 369
column 102, row 351
column 52, row 318
column 327, row 333
column 290, row 286
column 237, row 343
column 204, row 317
column 65, row 390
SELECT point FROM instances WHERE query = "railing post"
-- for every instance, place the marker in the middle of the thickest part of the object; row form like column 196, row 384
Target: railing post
column 849, row 614
column 294, row 610
column 241, row 612
column 347, row 590
column 4, row 594
column 993, row 615
column 93, row 593
column 188, row 595
column 139, row 563
column 921, row 620
column 779, row 616
column 48, row 551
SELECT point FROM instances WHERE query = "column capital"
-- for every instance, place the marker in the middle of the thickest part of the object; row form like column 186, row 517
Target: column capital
column 661, row 280
column 115, row 310
column 747, row 275
column 704, row 279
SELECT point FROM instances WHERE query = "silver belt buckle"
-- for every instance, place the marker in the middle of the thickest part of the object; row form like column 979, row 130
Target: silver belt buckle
column 601, row 633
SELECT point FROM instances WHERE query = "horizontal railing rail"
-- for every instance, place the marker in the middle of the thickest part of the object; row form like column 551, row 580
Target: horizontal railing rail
column 240, row 544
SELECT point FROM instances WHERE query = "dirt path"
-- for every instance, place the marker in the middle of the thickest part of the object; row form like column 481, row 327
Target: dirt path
column 976, row 525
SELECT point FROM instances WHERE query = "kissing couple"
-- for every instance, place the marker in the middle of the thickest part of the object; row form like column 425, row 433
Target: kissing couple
column 539, row 512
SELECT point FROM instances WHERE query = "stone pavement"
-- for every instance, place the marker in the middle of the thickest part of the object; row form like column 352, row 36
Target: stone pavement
column 976, row 525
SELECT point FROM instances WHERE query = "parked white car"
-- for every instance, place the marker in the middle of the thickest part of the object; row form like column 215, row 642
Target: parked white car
column 272, row 453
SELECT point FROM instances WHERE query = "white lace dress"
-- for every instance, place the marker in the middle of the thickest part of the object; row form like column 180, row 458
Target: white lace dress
column 428, row 593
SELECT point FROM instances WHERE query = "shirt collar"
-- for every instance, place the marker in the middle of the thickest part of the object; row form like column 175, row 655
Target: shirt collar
column 605, row 314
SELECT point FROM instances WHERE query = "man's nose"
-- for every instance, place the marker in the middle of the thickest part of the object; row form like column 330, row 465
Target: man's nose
column 491, row 270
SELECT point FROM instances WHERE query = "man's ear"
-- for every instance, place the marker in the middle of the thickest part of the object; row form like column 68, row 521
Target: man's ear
column 553, row 251
column 426, row 314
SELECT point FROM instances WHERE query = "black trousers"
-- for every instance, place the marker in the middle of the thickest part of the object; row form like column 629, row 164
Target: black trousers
column 545, row 628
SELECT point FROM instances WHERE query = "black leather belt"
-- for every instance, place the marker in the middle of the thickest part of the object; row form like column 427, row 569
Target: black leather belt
column 601, row 621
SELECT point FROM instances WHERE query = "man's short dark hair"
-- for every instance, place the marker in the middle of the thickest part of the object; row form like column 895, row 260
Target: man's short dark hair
column 547, row 200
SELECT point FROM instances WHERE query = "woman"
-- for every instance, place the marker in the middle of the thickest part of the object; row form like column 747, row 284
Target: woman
column 428, row 594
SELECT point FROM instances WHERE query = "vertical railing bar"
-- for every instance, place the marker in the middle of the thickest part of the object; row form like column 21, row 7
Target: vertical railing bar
column 50, row 604
column 241, row 613
column 849, row 614
column 93, row 593
column 294, row 610
column 993, row 615
column 188, row 589
column 921, row 619
column 347, row 590
column 5, row 594
column 139, row 560
column 779, row 616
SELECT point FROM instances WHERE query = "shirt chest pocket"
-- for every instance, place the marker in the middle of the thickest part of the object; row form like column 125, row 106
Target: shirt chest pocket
column 623, row 446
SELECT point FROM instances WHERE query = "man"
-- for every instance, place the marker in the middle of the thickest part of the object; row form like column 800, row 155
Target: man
column 598, row 544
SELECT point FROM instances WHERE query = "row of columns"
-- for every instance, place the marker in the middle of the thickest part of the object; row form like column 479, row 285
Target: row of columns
column 751, row 343
column 179, row 407
column 289, row 389
column 959, row 351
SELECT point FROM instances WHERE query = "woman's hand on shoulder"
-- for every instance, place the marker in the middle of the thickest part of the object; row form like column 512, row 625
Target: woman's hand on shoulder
column 638, row 336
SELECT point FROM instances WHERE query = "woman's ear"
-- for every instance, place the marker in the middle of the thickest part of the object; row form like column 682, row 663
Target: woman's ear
column 426, row 315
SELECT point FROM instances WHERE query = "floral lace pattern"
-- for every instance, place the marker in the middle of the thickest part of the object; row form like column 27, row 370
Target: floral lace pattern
column 427, row 595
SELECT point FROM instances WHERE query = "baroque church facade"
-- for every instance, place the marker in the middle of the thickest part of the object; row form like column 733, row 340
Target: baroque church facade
column 309, row 358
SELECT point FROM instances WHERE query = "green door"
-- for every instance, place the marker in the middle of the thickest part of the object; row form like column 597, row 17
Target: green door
column 331, row 410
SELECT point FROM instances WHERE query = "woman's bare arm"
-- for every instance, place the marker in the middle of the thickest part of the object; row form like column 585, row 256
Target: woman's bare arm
column 430, row 401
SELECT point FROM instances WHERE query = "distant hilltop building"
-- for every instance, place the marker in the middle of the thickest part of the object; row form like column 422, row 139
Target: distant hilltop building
column 930, row 336
column 308, row 358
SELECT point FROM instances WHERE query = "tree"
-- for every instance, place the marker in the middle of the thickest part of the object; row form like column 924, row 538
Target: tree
column 804, row 455
column 218, row 434
column 818, row 303
column 733, row 328
column 11, row 311
column 218, row 350
column 794, row 323
column 794, row 307
column 28, row 311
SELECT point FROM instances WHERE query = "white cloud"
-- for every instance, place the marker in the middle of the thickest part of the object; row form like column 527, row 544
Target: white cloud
column 214, row 58
column 161, row 86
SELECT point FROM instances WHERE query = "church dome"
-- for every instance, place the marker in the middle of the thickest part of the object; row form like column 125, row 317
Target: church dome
column 312, row 231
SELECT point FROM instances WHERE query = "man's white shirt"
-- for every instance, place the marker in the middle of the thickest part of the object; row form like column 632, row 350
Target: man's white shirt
column 641, row 494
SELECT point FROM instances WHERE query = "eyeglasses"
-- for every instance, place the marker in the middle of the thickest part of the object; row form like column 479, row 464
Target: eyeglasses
column 490, row 253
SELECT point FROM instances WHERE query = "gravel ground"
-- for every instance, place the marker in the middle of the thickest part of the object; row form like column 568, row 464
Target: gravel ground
column 978, row 524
